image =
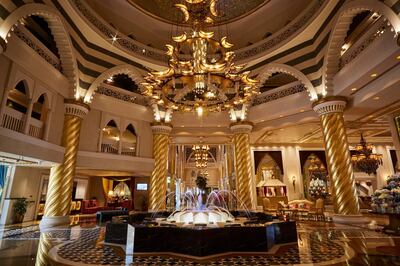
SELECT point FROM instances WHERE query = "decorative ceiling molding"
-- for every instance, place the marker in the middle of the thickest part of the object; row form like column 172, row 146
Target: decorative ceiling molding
column 143, row 51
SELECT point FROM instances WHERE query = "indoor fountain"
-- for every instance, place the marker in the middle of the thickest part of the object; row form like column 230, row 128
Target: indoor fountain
column 200, row 229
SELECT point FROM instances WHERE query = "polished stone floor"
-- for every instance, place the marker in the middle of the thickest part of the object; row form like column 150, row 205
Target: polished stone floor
column 318, row 243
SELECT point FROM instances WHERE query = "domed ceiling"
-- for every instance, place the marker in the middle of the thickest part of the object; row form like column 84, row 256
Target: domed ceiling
column 165, row 10
column 246, row 22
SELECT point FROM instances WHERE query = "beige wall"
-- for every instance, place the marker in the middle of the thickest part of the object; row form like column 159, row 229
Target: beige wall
column 5, row 65
column 25, row 183
column 90, row 131
column 57, row 120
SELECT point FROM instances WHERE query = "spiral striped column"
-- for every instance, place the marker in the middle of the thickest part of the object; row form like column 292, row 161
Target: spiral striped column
column 241, row 140
column 338, row 157
column 158, row 179
column 59, row 193
column 45, row 244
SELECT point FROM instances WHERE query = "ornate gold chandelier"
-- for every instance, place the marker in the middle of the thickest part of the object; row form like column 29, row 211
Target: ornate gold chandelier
column 200, row 155
column 364, row 159
column 201, row 75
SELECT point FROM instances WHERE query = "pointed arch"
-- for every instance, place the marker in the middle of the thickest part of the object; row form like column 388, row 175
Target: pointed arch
column 272, row 68
column 120, row 69
column 341, row 25
column 59, row 31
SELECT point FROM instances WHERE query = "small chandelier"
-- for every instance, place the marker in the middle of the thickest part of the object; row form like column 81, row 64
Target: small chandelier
column 200, row 155
column 364, row 159
column 201, row 75
column 316, row 169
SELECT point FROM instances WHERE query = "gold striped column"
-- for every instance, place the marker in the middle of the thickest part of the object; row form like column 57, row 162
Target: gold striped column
column 61, row 178
column 241, row 141
column 158, row 179
column 44, row 246
column 330, row 111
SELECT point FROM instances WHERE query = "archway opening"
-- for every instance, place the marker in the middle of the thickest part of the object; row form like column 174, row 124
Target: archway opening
column 110, row 138
column 129, row 141
column 16, row 107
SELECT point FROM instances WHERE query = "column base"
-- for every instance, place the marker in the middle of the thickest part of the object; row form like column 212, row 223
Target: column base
column 53, row 221
column 350, row 219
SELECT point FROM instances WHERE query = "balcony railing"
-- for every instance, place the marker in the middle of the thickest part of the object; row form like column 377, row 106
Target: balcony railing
column 128, row 151
column 109, row 148
column 14, row 120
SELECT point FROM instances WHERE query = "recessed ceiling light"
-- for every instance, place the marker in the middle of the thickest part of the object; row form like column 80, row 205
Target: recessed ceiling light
column 262, row 120
column 182, row 126
column 219, row 126
column 370, row 116
column 398, row 57
column 376, row 98
column 353, row 89
column 281, row 116
column 302, row 110
column 374, row 75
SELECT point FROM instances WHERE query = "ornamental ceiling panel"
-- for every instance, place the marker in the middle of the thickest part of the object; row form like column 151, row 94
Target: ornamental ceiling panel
column 165, row 10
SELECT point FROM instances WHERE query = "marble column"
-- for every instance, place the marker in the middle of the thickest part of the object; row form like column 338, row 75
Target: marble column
column 241, row 139
column 330, row 111
column 158, row 179
column 61, row 178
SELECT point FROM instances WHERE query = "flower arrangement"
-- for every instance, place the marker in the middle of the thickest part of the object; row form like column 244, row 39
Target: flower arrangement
column 387, row 199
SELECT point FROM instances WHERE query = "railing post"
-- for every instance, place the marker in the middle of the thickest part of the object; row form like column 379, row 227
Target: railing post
column 27, row 120
column 46, row 129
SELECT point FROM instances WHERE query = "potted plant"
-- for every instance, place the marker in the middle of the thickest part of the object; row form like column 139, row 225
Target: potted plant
column 20, row 207
column 201, row 183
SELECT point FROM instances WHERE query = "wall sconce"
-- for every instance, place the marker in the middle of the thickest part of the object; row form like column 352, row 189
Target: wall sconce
column 294, row 183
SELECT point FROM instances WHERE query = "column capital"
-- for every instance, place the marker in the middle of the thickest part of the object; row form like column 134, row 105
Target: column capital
column 241, row 127
column 76, row 108
column 3, row 45
column 161, row 128
column 332, row 104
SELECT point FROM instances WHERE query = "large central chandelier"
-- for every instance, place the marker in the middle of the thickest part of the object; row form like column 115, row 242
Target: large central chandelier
column 200, row 155
column 364, row 159
column 201, row 75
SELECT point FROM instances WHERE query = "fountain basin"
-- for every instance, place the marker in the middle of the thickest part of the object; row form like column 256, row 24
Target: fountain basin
column 200, row 217
column 201, row 241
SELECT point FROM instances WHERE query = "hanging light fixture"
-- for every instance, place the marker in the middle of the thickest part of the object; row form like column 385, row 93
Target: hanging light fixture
column 200, row 155
column 364, row 159
column 201, row 75
column 316, row 168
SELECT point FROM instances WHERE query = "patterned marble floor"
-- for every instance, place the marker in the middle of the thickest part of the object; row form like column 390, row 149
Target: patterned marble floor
column 318, row 244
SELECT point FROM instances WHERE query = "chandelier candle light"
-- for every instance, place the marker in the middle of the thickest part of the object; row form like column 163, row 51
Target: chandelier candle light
column 364, row 159
column 201, row 75
column 201, row 155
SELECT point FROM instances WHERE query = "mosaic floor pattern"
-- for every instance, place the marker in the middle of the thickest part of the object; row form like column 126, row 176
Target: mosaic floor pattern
column 318, row 244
